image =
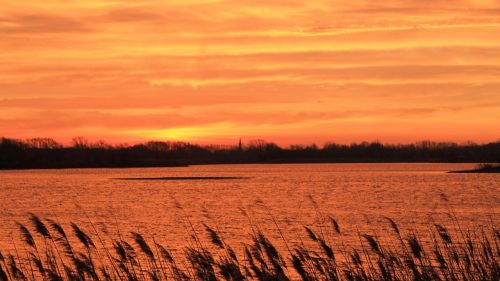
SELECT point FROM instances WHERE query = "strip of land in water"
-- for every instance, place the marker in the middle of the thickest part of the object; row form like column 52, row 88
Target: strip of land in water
column 181, row 178
column 482, row 169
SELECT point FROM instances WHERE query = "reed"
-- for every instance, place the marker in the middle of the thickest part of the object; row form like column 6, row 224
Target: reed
column 448, row 254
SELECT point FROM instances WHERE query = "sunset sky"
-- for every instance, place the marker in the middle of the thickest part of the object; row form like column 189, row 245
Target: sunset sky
column 286, row 71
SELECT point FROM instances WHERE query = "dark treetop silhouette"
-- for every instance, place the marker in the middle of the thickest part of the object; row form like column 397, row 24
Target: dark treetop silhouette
column 47, row 153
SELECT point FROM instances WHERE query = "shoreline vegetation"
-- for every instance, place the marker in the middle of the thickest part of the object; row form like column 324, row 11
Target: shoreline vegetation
column 51, row 251
column 480, row 169
column 46, row 153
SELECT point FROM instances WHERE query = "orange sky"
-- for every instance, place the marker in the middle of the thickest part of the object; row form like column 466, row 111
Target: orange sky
column 288, row 71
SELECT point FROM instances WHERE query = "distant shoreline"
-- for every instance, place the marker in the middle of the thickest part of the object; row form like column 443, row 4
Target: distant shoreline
column 42, row 153
column 252, row 163
column 94, row 167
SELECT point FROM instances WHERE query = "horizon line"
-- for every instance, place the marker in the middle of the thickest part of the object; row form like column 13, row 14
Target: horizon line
column 238, row 141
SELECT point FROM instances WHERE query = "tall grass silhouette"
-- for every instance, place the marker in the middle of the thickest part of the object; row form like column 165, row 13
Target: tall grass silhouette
column 51, row 251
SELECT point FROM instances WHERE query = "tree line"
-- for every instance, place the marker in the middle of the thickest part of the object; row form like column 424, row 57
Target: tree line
column 47, row 153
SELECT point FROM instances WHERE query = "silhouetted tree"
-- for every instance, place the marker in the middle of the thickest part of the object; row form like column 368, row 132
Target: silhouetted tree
column 80, row 142
column 47, row 153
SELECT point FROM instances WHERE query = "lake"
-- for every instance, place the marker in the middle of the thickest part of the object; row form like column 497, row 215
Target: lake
column 358, row 196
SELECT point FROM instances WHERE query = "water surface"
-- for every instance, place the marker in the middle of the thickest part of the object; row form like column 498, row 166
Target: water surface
column 357, row 195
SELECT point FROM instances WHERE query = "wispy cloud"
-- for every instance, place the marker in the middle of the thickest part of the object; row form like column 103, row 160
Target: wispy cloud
column 33, row 24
